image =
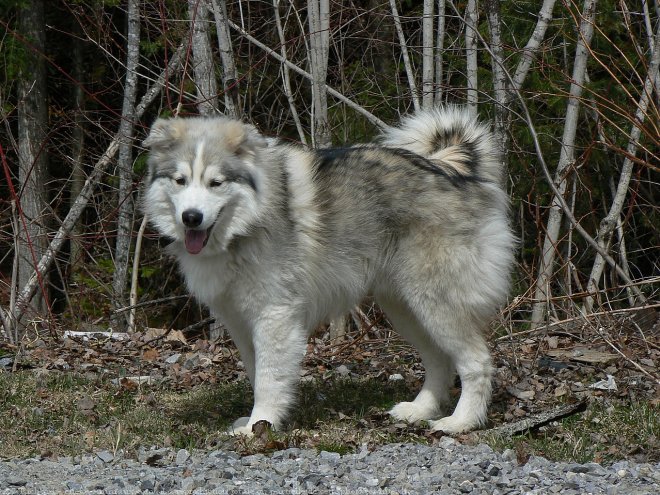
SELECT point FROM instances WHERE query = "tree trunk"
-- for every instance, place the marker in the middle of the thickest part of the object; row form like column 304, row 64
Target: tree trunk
column 125, row 208
column 229, row 71
column 427, row 55
column 566, row 157
column 203, row 66
column 32, row 156
column 28, row 290
column 532, row 46
column 318, row 12
column 500, row 83
column 609, row 223
column 471, row 26
column 439, row 49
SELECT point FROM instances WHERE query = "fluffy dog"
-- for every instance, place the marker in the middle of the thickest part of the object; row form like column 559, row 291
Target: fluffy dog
column 276, row 239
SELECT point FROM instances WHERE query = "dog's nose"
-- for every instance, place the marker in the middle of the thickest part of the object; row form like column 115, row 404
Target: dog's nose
column 192, row 218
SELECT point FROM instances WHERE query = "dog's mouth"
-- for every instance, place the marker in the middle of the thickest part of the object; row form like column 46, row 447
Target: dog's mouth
column 196, row 239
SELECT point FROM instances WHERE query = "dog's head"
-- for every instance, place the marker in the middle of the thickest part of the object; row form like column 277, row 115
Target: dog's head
column 203, row 184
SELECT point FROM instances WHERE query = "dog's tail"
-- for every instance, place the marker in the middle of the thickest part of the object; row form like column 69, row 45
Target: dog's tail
column 452, row 140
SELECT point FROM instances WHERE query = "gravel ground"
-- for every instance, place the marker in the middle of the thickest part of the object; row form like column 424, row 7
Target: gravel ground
column 445, row 468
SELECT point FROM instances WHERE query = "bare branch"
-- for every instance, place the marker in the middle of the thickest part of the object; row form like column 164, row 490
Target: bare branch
column 406, row 56
column 566, row 157
column 608, row 224
column 350, row 103
column 81, row 201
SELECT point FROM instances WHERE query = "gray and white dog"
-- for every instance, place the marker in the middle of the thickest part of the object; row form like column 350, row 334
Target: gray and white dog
column 276, row 239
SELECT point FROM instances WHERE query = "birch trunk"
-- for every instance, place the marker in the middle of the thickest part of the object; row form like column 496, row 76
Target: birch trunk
column 427, row 55
column 500, row 88
column 566, row 157
column 229, row 71
column 406, row 56
column 609, row 223
column 471, row 26
column 286, row 77
column 32, row 157
column 28, row 290
column 203, row 66
column 125, row 209
column 319, row 49
column 535, row 40
column 439, row 48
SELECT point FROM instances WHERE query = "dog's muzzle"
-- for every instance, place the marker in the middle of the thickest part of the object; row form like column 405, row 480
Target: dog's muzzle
column 195, row 238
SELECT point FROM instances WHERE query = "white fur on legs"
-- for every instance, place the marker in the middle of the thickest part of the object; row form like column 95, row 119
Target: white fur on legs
column 438, row 368
column 279, row 346
column 239, row 427
column 475, row 370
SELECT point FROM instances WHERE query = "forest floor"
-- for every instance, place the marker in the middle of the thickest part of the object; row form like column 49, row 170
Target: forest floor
column 576, row 391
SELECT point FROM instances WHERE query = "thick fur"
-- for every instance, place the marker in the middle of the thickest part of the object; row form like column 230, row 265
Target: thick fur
column 295, row 237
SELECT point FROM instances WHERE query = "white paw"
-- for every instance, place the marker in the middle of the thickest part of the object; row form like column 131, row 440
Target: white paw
column 241, row 427
column 411, row 412
column 453, row 425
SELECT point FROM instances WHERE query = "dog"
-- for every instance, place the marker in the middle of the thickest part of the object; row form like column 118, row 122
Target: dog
column 277, row 239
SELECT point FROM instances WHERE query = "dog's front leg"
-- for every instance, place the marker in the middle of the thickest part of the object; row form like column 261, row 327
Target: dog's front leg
column 279, row 343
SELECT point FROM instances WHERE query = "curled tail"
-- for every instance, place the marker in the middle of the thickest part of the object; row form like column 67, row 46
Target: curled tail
column 452, row 140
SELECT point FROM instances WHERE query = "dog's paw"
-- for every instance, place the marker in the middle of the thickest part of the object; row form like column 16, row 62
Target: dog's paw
column 453, row 425
column 411, row 412
column 240, row 427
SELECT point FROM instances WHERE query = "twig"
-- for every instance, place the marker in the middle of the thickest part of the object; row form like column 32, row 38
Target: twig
column 535, row 421
column 618, row 351
column 152, row 302
column 134, row 277
column 580, row 317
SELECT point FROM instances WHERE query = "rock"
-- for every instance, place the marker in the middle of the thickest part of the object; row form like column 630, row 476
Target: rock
column 182, row 456
column 105, row 456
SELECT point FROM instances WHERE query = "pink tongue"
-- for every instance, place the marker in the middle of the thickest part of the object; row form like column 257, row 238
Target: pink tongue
column 195, row 240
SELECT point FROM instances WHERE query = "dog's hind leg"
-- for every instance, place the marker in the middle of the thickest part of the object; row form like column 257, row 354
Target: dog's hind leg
column 438, row 367
column 460, row 336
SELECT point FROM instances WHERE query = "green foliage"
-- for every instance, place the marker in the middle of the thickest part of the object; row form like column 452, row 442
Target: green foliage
column 140, row 164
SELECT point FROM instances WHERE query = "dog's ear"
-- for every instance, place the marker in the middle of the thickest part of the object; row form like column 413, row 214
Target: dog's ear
column 243, row 139
column 164, row 133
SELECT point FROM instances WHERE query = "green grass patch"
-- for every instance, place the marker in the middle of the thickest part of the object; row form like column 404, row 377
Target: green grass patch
column 603, row 433
column 57, row 413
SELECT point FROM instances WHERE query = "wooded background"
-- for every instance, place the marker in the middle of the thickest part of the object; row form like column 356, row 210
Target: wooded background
column 571, row 90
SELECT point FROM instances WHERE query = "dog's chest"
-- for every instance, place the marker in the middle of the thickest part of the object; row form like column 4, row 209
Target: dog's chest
column 207, row 278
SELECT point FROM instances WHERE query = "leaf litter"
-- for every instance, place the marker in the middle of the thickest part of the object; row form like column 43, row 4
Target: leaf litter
column 607, row 363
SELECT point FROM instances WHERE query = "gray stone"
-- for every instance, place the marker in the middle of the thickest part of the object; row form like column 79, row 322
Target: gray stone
column 182, row 456
column 105, row 456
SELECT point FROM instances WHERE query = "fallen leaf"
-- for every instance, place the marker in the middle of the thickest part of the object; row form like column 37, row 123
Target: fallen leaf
column 150, row 355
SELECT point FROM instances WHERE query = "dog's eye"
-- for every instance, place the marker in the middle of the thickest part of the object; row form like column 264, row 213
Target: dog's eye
column 180, row 181
column 215, row 183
